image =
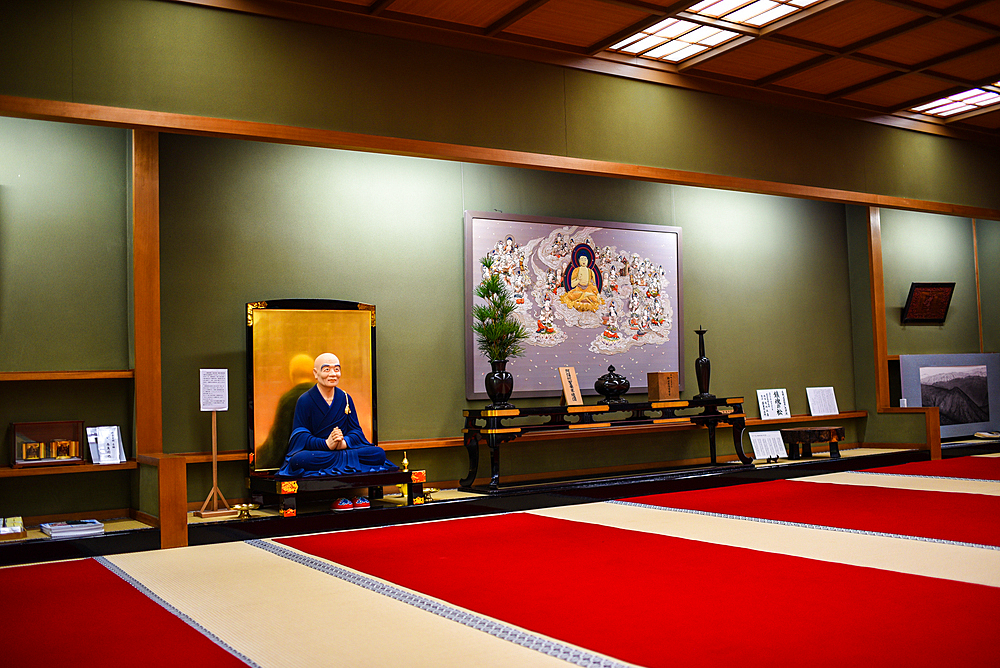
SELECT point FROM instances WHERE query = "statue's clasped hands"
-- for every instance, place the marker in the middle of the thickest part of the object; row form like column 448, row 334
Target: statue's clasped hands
column 335, row 441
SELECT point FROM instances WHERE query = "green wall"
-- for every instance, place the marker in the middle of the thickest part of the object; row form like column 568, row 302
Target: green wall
column 923, row 247
column 63, row 272
column 63, row 298
column 164, row 56
column 245, row 221
column 988, row 242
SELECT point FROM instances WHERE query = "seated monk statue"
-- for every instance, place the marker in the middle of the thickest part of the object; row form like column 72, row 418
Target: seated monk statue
column 326, row 437
column 583, row 294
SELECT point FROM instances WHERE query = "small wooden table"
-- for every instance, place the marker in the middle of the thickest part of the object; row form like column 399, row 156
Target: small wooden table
column 806, row 436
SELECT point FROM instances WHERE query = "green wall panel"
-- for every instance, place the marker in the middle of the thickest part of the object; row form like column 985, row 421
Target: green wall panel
column 921, row 247
column 767, row 277
column 174, row 57
column 193, row 60
column 63, row 273
column 988, row 242
column 36, row 48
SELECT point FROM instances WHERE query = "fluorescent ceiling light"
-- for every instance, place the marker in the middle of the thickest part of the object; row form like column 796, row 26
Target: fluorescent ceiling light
column 974, row 98
column 691, row 33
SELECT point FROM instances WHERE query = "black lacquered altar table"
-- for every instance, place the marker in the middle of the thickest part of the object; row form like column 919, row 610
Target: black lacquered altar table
column 497, row 426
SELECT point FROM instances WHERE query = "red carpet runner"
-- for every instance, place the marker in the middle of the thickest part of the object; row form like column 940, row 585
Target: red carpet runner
column 78, row 613
column 979, row 468
column 942, row 515
column 660, row 601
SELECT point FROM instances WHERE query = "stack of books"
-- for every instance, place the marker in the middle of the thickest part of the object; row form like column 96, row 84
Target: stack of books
column 73, row 529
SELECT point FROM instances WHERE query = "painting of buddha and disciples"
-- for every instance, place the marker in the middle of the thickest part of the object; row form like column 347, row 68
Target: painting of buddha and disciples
column 590, row 294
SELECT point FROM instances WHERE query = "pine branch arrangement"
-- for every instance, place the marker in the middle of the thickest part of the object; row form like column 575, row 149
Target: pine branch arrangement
column 499, row 335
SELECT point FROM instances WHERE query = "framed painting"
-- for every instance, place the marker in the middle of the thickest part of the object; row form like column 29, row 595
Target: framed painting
column 624, row 311
column 284, row 337
column 965, row 388
column 927, row 303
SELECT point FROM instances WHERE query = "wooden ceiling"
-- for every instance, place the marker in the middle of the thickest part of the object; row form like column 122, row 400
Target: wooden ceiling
column 860, row 57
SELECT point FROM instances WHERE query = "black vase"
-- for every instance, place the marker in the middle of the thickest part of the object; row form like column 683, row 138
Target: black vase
column 612, row 386
column 499, row 385
column 702, row 367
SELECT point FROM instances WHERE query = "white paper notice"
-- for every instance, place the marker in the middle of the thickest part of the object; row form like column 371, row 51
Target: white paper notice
column 773, row 404
column 822, row 401
column 215, row 389
column 105, row 445
column 767, row 445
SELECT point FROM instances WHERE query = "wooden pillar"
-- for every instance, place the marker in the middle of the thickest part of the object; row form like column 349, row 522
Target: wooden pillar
column 146, row 290
column 878, row 308
column 172, row 478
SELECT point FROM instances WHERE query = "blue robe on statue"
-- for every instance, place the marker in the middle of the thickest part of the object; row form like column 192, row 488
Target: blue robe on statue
column 308, row 454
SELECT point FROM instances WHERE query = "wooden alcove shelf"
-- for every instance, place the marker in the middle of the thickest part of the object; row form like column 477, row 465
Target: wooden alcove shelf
column 456, row 441
column 65, row 375
column 8, row 472
column 97, row 374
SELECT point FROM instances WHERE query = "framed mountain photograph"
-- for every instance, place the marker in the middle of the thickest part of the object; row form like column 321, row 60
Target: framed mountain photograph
column 965, row 388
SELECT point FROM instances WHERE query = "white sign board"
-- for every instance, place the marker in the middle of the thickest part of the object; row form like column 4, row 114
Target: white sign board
column 214, row 389
column 767, row 445
column 822, row 401
column 773, row 404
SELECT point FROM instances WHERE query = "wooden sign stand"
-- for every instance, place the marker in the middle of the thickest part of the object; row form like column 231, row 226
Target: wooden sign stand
column 571, row 387
column 216, row 493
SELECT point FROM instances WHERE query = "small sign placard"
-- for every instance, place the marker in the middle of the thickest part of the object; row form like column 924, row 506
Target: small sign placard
column 571, row 388
column 767, row 445
column 822, row 401
column 773, row 404
column 214, row 389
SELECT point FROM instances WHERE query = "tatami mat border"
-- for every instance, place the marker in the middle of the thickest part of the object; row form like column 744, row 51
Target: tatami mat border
column 542, row 644
column 801, row 525
column 146, row 591
column 931, row 477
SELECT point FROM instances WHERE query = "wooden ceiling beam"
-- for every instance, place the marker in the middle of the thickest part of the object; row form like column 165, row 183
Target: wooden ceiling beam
column 934, row 12
column 851, row 50
column 794, row 69
column 513, row 16
column 379, row 6
column 925, row 69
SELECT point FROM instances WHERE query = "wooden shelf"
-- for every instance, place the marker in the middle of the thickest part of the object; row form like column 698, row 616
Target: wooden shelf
column 456, row 441
column 850, row 415
column 65, row 375
column 206, row 457
column 8, row 472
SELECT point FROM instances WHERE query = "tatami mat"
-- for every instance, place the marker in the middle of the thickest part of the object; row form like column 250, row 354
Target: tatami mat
column 280, row 613
column 924, row 483
column 934, row 559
